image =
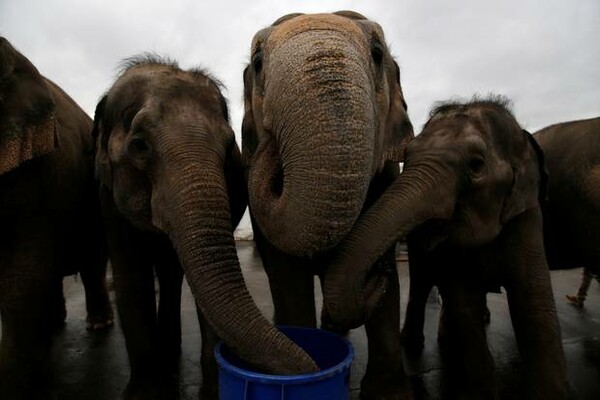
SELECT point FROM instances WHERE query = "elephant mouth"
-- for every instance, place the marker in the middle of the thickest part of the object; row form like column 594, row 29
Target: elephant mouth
column 374, row 290
column 376, row 284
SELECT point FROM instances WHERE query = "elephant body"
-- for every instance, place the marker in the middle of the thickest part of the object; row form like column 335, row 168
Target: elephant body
column 172, row 193
column 51, row 220
column 572, row 208
column 325, row 124
column 468, row 202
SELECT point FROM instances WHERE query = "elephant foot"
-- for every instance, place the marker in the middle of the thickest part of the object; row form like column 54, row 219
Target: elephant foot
column 141, row 392
column 209, row 392
column 99, row 322
column 16, row 381
column 156, row 389
column 57, row 322
column 412, row 342
column 25, row 394
column 386, row 380
column 100, row 313
column 57, row 313
column 487, row 316
column 575, row 300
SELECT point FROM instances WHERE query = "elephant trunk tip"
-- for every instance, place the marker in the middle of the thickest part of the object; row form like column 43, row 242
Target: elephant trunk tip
column 346, row 314
column 342, row 319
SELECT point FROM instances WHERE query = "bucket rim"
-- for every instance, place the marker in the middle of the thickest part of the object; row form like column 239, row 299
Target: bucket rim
column 288, row 379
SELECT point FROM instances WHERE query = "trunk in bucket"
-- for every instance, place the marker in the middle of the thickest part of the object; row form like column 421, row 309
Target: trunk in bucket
column 332, row 353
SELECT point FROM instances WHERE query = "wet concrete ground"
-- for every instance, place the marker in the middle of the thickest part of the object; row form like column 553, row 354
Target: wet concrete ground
column 93, row 365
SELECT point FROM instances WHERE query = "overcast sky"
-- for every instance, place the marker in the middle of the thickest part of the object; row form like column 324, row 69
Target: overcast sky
column 543, row 54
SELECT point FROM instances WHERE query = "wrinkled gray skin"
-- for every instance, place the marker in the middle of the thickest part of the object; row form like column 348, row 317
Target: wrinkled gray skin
column 324, row 126
column 572, row 209
column 50, row 222
column 468, row 196
column 172, row 193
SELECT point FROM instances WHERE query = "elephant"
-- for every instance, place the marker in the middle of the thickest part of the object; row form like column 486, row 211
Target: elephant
column 324, row 128
column 51, row 221
column 569, row 210
column 172, row 191
column 468, row 201
column 572, row 210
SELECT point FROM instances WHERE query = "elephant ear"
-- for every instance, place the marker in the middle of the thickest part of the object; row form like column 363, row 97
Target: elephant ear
column 23, row 142
column 530, row 178
column 236, row 183
column 100, row 136
column 285, row 18
column 27, row 121
column 398, row 128
column 543, row 192
column 249, row 134
column 237, row 191
column 350, row 15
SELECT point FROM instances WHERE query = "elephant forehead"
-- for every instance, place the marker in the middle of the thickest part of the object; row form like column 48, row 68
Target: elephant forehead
column 161, row 86
column 314, row 22
column 155, row 76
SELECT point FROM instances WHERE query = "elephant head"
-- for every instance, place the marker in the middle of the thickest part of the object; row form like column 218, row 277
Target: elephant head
column 469, row 173
column 168, row 158
column 324, row 113
column 27, row 119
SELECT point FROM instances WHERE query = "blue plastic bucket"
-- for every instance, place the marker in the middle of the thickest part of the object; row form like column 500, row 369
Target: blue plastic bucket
column 332, row 353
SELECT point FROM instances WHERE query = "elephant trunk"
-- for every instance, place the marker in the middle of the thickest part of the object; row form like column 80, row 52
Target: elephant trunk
column 352, row 288
column 311, row 171
column 201, row 231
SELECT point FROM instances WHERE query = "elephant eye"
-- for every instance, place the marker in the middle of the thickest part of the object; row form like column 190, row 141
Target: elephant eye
column 476, row 165
column 139, row 145
column 377, row 53
column 257, row 61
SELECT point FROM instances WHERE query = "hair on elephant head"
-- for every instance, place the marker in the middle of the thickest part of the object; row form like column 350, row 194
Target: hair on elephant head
column 168, row 160
column 27, row 120
column 324, row 113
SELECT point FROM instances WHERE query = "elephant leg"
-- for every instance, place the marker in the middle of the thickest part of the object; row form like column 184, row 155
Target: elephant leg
column 210, row 379
column 26, row 277
column 57, row 305
column 92, row 263
column 170, row 278
column 487, row 315
column 385, row 377
column 97, row 301
column 133, row 276
column 467, row 352
column 135, row 295
column 292, row 287
column 421, row 284
column 532, row 308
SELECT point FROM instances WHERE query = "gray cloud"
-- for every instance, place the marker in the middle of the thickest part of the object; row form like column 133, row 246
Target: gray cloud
column 542, row 54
